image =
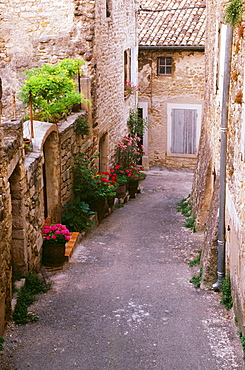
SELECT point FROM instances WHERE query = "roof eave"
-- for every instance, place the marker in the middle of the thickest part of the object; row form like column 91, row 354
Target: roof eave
column 175, row 47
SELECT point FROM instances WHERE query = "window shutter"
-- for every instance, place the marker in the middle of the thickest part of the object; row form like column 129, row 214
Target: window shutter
column 184, row 131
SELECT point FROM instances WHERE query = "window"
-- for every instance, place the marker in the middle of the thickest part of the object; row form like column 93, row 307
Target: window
column 108, row 8
column 127, row 65
column 184, row 123
column 164, row 66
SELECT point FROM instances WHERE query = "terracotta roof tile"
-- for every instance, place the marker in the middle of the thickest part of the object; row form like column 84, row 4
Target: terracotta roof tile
column 172, row 23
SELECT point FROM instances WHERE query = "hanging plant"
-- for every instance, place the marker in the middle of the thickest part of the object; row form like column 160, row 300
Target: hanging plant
column 233, row 12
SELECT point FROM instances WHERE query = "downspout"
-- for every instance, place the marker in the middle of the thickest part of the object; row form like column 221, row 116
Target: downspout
column 223, row 149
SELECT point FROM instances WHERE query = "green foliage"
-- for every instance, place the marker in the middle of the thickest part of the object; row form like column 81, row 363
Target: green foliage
column 2, row 340
column 52, row 88
column 196, row 261
column 233, row 12
column 76, row 216
column 136, row 124
column 242, row 340
column 89, row 184
column 185, row 207
column 82, row 126
column 225, row 289
column 196, row 280
column 33, row 286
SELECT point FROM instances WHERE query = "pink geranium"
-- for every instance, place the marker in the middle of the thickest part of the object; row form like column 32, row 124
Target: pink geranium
column 58, row 234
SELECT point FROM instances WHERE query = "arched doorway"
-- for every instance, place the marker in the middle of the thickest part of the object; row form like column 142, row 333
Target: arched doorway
column 51, row 178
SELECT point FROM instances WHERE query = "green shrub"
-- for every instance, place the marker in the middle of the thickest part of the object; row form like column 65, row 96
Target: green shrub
column 52, row 89
column 76, row 217
column 233, row 12
column 82, row 126
column 225, row 289
column 33, row 286
column 1, row 343
column 196, row 280
column 136, row 124
column 196, row 261
column 185, row 207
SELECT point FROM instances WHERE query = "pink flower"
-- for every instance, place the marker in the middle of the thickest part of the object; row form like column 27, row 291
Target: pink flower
column 67, row 237
column 57, row 232
column 45, row 231
column 53, row 228
column 53, row 237
column 47, row 237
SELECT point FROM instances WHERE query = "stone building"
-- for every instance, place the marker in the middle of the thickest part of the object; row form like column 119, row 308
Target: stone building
column 34, row 186
column 171, row 78
column 218, row 191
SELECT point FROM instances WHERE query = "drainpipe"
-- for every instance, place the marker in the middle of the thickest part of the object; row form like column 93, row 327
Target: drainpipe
column 223, row 148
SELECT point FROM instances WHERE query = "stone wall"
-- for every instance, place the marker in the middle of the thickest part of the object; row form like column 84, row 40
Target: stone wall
column 10, row 160
column 34, row 33
column 205, row 189
column 184, row 86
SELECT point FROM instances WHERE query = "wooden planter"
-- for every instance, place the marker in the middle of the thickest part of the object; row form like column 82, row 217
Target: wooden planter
column 53, row 255
column 98, row 206
column 133, row 188
column 121, row 190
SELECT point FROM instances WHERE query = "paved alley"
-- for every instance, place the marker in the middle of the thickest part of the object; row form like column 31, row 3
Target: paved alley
column 124, row 302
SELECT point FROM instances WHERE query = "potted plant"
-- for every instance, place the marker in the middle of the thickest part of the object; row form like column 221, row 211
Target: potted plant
column 27, row 145
column 90, row 185
column 135, row 176
column 55, row 238
column 51, row 90
column 129, row 88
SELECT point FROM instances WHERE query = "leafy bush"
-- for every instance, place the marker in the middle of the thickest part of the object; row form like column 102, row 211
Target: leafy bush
column 136, row 124
column 185, row 207
column 82, row 127
column 225, row 289
column 233, row 12
column 196, row 280
column 76, row 216
column 33, row 286
column 196, row 261
column 52, row 89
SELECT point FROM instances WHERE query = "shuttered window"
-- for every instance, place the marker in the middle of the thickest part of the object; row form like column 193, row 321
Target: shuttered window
column 183, row 131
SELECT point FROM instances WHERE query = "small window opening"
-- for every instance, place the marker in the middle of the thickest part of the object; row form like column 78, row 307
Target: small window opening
column 108, row 8
column 164, row 66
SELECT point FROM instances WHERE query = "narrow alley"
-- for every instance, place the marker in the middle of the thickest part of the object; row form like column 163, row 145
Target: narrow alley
column 124, row 301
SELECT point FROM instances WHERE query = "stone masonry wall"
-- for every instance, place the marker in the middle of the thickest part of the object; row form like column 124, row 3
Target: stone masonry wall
column 184, row 86
column 206, row 202
column 10, row 157
column 113, row 35
column 38, row 32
